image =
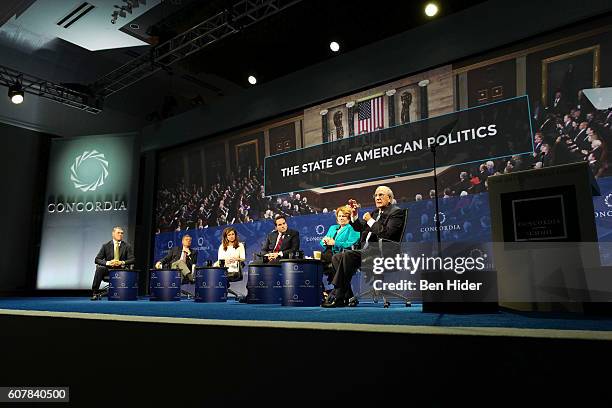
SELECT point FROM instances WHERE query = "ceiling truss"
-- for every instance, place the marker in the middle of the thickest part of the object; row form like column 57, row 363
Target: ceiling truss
column 223, row 24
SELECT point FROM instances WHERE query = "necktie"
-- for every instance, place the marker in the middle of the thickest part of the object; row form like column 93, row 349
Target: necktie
column 278, row 244
column 370, row 232
column 116, row 254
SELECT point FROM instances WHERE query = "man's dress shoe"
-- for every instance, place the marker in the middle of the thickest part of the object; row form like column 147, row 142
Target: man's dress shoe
column 334, row 303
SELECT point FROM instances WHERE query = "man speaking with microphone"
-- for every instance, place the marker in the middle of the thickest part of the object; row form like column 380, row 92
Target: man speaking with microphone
column 385, row 223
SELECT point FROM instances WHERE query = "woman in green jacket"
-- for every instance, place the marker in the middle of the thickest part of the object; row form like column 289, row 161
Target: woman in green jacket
column 339, row 237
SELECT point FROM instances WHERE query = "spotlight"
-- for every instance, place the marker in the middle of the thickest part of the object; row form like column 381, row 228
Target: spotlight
column 15, row 94
column 431, row 9
column 252, row 80
column 334, row 46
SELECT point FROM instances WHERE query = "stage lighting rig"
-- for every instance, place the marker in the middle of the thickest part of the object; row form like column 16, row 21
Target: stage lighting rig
column 123, row 10
column 20, row 83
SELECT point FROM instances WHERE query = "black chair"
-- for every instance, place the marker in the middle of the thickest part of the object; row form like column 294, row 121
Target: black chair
column 369, row 277
column 236, row 277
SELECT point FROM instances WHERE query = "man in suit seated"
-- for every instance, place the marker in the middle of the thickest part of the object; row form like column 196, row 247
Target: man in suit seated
column 183, row 258
column 386, row 223
column 115, row 254
column 280, row 242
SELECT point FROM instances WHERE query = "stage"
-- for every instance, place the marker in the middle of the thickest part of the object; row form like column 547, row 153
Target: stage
column 367, row 317
column 246, row 353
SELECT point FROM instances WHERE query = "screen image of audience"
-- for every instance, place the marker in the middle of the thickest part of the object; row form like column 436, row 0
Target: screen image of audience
column 231, row 200
column 572, row 132
column 564, row 133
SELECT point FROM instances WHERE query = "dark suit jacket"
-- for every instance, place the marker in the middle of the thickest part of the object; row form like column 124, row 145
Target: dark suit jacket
column 174, row 254
column 388, row 227
column 107, row 253
column 290, row 242
column 546, row 159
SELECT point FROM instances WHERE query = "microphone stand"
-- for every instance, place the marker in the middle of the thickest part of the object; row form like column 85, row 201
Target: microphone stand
column 437, row 216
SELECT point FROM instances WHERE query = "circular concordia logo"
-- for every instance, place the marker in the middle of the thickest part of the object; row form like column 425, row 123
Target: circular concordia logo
column 90, row 183
column 320, row 229
column 442, row 217
column 608, row 200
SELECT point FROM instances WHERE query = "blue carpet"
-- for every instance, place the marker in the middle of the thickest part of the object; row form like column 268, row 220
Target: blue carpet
column 365, row 313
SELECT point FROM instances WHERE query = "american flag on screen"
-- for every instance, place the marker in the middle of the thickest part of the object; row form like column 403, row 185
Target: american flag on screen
column 370, row 115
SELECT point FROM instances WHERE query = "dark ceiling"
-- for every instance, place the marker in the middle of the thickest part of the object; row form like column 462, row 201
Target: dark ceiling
column 288, row 41
column 298, row 36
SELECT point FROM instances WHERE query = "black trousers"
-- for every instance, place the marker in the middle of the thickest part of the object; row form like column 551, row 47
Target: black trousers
column 346, row 264
column 101, row 271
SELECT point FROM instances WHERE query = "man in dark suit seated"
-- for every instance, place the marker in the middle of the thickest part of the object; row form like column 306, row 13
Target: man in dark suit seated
column 386, row 223
column 182, row 258
column 280, row 242
column 115, row 254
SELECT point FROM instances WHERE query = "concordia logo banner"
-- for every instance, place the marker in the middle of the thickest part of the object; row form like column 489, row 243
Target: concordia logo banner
column 89, row 190
column 478, row 134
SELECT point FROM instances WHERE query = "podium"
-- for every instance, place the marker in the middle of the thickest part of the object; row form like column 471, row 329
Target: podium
column 122, row 284
column 301, row 282
column 210, row 284
column 264, row 283
column 165, row 285
column 544, row 237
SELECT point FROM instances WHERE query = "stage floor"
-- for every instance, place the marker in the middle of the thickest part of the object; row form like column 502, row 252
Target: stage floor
column 365, row 317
